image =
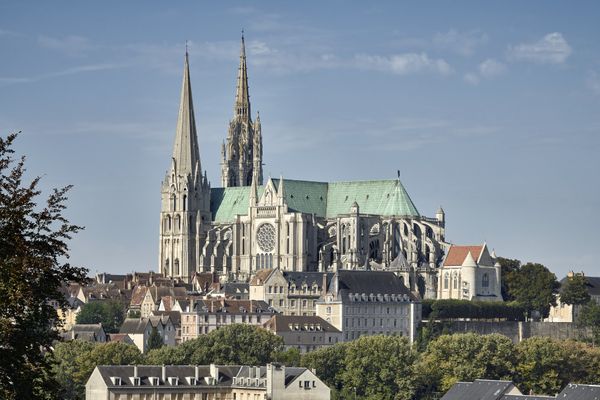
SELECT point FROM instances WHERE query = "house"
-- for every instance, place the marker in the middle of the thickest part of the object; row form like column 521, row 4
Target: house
column 205, row 316
column 87, row 332
column 304, row 332
column 470, row 273
column 484, row 389
column 370, row 303
column 206, row 382
column 568, row 312
column 146, row 299
column 140, row 329
column 175, row 317
column 229, row 290
column 289, row 292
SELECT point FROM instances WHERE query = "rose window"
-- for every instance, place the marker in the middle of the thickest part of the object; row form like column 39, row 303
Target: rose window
column 265, row 237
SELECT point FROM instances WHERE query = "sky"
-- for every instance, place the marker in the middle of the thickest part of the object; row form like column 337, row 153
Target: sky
column 490, row 110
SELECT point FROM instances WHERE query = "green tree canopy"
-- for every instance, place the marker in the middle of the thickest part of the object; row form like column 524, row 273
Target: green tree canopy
column 534, row 287
column 155, row 341
column 464, row 357
column 110, row 313
column 33, row 247
column 508, row 266
column 74, row 361
column 574, row 290
column 328, row 363
column 589, row 317
column 166, row 355
column 546, row 366
column 379, row 367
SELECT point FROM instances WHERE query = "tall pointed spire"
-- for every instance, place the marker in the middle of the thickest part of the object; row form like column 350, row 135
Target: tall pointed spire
column 185, row 149
column 242, row 96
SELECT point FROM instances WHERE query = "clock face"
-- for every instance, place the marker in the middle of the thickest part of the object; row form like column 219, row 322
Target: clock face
column 265, row 236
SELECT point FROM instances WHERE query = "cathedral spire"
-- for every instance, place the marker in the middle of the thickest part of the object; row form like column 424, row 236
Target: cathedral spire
column 242, row 96
column 185, row 149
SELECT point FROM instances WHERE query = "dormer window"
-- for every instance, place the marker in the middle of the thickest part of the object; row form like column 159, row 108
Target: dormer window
column 116, row 380
column 135, row 380
column 154, row 381
column 173, row 381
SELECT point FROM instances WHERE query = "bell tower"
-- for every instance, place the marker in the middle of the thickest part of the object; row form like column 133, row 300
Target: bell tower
column 185, row 195
column 241, row 154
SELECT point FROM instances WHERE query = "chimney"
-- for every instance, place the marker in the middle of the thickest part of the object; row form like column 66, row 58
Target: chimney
column 214, row 372
column 324, row 285
column 135, row 371
column 164, row 373
column 197, row 372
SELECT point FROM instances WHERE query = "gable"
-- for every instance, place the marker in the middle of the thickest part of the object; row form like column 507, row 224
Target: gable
column 457, row 254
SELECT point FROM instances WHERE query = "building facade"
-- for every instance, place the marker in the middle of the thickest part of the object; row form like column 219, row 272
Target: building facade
column 305, row 333
column 295, row 225
column 204, row 382
column 362, row 303
column 470, row 273
column 205, row 316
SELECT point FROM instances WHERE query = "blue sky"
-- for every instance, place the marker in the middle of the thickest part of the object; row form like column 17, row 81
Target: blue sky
column 491, row 110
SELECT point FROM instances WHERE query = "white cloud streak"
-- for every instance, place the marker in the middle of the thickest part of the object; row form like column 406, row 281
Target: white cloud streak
column 551, row 49
column 403, row 64
column 463, row 43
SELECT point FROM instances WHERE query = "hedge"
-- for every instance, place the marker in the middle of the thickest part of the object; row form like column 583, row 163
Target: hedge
column 455, row 309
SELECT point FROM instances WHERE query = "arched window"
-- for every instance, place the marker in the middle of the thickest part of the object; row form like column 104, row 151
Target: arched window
column 446, row 280
column 167, row 272
column 173, row 202
column 427, row 253
column 177, row 223
column 257, row 261
column 168, row 222
column 485, row 280
column 184, row 202
column 270, row 260
column 262, row 260
column 176, row 267
column 455, row 280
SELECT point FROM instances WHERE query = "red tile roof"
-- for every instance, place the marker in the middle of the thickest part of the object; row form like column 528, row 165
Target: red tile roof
column 457, row 254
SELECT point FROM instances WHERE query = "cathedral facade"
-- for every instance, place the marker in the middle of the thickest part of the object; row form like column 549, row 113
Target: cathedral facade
column 245, row 225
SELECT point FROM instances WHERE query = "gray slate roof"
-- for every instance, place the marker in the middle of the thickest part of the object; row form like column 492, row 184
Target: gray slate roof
column 478, row 390
column 376, row 282
column 310, row 278
column 580, row 392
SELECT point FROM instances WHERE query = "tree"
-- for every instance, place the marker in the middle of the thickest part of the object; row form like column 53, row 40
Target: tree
column 379, row 367
column 328, row 364
column 110, row 313
column 574, row 291
column 464, row 357
column 290, row 357
column 74, row 361
column 155, row 341
column 166, row 355
column 546, row 366
column 508, row 266
column 534, row 287
column 33, row 250
column 589, row 317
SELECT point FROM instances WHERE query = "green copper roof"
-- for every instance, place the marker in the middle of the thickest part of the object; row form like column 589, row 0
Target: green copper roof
column 327, row 200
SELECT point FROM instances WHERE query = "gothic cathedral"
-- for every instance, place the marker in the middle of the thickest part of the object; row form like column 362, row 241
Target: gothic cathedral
column 294, row 225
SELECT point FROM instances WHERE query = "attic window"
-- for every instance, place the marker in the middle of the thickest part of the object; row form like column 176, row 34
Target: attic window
column 388, row 195
column 321, row 198
column 306, row 197
column 116, row 380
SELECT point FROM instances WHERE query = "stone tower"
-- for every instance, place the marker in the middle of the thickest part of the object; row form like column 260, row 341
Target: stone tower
column 241, row 155
column 185, row 193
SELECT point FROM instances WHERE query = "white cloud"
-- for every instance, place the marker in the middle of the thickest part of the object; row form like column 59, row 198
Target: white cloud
column 463, row 43
column 593, row 82
column 403, row 64
column 70, row 45
column 4, row 81
column 551, row 49
column 471, row 78
column 490, row 68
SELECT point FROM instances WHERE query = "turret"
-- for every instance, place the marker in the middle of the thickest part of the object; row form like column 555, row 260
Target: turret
column 469, row 274
column 440, row 215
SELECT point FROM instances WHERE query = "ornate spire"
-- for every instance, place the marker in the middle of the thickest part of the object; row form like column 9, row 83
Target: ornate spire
column 242, row 96
column 185, row 149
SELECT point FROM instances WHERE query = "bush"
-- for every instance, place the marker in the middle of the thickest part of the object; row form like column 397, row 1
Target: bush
column 455, row 309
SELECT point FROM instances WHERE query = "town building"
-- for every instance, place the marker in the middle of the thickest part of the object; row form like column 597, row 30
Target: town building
column 205, row 382
column 205, row 316
column 296, row 225
column 305, row 333
column 140, row 329
column 88, row 332
column 562, row 312
column 470, row 273
column 506, row 390
column 370, row 303
column 290, row 293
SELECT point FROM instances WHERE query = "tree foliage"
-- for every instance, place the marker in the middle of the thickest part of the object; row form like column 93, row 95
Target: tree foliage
column 110, row 313
column 33, row 247
column 464, row 357
column 589, row 317
column 534, row 287
column 455, row 309
column 574, row 291
column 507, row 266
column 74, row 361
column 155, row 341
column 328, row 363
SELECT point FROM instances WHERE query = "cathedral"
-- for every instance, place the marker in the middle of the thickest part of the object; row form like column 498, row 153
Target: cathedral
column 247, row 224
